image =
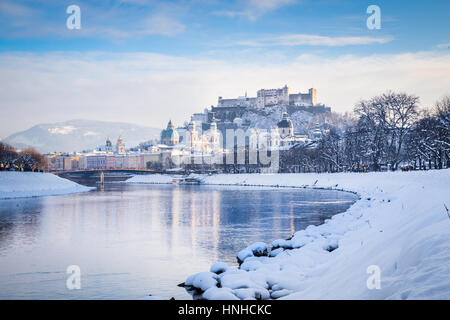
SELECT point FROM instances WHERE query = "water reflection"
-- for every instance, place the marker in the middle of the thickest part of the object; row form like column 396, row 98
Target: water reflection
column 133, row 240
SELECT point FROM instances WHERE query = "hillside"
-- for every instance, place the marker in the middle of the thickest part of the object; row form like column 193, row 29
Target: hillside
column 303, row 121
column 79, row 135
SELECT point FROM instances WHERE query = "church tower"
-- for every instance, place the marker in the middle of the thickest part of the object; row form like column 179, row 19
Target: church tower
column 108, row 146
column 214, row 136
column 169, row 136
column 192, row 135
column 120, row 146
column 285, row 126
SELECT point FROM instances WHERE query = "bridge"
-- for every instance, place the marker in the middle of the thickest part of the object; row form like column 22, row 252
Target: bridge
column 93, row 176
column 121, row 170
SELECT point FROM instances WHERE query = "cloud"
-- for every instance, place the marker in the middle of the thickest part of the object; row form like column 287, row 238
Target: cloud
column 15, row 9
column 444, row 45
column 148, row 88
column 161, row 24
column 312, row 40
column 253, row 9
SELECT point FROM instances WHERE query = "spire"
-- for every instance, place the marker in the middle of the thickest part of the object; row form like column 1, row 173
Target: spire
column 191, row 125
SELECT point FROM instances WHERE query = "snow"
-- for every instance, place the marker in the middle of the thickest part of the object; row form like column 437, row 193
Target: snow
column 280, row 293
column 251, row 294
column 275, row 252
column 259, row 248
column 243, row 254
column 219, row 267
column 151, row 179
column 153, row 298
column 61, row 130
column 399, row 224
column 202, row 281
column 215, row 293
column 302, row 120
column 256, row 249
column 33, row 184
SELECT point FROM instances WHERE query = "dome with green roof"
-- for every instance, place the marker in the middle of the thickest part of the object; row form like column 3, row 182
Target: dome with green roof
column 169, row 136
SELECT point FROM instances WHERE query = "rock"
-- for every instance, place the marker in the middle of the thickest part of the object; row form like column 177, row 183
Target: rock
column 257, row 249
column 219, row 267
column 201, row 281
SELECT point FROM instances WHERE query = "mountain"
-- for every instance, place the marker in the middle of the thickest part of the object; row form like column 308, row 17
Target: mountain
column 79, row 135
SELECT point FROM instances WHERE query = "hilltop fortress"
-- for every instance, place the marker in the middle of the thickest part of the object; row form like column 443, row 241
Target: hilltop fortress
column 272, row 97
column 227, row 110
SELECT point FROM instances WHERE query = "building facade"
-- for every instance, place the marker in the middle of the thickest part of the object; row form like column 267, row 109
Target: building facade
column 270, row 97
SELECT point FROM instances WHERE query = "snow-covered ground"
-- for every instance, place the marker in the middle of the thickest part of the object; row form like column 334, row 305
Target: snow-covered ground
column 400, row 228
column 34, row 184
column 151, row 179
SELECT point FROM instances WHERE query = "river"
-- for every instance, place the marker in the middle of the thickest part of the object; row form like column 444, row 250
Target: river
column 133, row 240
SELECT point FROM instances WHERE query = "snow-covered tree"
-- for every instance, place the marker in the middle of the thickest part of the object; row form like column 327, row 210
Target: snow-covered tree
column 7, row 156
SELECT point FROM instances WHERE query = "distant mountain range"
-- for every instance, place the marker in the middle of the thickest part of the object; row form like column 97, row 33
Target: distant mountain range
column 79, row 135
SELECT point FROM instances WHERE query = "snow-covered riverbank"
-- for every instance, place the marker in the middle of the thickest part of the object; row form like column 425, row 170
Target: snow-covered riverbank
column 151, row 179
column 33, row 184
column 400, row 227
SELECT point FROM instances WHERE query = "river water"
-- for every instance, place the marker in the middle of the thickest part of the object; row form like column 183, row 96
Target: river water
column 133, row 240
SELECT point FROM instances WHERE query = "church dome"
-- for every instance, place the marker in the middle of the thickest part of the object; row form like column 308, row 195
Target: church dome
column 285, row 122
column 169, row 133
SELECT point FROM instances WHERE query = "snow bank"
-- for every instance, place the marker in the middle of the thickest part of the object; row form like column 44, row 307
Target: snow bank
column 151, row 179
column 150, row 297
column 33, row 184
column 219, row 267
column 400, row 225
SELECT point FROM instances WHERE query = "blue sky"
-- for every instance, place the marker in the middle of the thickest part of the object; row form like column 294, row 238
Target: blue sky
column 205, row 27
column 180, row 43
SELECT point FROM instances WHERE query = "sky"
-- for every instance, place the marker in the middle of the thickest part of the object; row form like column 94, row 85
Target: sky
column 148, row 61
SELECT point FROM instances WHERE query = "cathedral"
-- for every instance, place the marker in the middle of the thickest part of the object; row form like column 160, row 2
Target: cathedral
column 169, row 136
column 208, row 141
column 192, row 140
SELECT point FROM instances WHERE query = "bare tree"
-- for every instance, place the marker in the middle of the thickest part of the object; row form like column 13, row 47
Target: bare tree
column 29, row 160
column 388, row 118
column 7, row 156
